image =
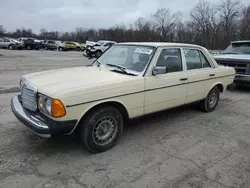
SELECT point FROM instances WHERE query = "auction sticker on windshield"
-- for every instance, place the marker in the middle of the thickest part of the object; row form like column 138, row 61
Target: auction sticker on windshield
column 144, row 50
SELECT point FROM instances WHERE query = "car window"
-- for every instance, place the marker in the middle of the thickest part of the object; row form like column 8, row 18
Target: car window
column 108, row 44
column 171, row 59
column 6, row 40
column 51, row 42
column 195, row 59
column 204, row 60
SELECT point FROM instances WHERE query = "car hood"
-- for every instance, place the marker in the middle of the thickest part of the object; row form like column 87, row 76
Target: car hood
column 90, row 43
column 85, row 78
column 232, row 57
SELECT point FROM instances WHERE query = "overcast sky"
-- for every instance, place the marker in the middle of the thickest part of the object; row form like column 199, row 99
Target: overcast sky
column 66, row 15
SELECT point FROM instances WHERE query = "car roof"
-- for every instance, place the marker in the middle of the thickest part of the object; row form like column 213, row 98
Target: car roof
column 241, row 41
column 105, row 41
column 159, row 44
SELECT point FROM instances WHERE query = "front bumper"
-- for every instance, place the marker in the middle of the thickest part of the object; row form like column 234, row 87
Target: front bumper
column 39, row 123
column 241, row 78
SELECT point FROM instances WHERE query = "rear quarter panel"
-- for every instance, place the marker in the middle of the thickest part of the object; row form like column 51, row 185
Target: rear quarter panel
column 225, row 75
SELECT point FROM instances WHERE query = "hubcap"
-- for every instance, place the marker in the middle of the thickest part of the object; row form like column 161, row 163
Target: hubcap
column 212, row 99
column 104, row 131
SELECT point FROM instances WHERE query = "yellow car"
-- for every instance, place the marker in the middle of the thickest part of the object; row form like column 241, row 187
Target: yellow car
column 73, row 46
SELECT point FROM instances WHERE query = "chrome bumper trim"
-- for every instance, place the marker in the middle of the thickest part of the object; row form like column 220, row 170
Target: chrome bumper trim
column 28, row 119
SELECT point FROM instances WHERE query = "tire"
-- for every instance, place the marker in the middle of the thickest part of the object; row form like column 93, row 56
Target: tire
column 60, row 49
column 29, row 47
column 10, row 47
column 211, row 101
column 45, row 48
column 98, row 53
column 78, row 49
column 91, row 129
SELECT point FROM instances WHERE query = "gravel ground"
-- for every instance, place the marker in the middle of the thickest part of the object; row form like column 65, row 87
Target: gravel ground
column 178, row 148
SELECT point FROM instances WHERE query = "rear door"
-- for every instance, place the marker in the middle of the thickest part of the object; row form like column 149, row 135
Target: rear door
column 200, row 74
column 6, row 43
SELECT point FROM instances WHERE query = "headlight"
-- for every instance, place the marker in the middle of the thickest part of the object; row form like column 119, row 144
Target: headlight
column 21, row 83
column 51, row 107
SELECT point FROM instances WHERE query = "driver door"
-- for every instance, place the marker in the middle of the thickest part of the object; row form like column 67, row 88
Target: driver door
column 167, row 90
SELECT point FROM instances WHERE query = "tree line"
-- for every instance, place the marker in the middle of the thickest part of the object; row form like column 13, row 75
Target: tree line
column 209, row 25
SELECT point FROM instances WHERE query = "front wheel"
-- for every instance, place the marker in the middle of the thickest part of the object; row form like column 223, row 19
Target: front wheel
column 10, row 47
column 211, row 101
column 101, row 128
column 98, row 53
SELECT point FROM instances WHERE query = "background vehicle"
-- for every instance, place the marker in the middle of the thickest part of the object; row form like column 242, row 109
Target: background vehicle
column 97, row 49
column 73, row 46
column 61, row 46
column 54, row 45
column 10, row 43
column 31, row 43
column 49, row 45
column 237, row 55
column 215, row 52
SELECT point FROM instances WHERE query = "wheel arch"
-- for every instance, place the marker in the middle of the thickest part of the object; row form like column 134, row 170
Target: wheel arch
column 219, row 85
column 114, row 103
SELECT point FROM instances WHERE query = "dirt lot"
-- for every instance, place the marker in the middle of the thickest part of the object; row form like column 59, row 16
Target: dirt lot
column 179, row 148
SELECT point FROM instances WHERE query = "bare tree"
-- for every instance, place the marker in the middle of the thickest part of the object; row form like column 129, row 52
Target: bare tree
column 245, row 23
column 229, row 11
column 212, row 26
column 166, row 22
column 2, row 30
column 206, row 23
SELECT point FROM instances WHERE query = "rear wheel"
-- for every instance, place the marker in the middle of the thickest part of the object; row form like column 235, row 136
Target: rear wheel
column 78, row 49
column 29, row 47
column 60, row 49
column 101, row 128
column 211, row 101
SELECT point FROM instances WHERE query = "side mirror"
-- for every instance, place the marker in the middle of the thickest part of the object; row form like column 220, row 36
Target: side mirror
column 159, row 70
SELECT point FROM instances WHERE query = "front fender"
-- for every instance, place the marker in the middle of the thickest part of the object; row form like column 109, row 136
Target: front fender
column 85, row 108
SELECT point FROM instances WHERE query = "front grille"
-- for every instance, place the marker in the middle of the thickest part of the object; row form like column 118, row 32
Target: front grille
column 240, row 68
column 28, row 97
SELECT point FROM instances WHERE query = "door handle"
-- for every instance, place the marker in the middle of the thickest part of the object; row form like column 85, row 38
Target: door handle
column 211, row 74
column 183, row 79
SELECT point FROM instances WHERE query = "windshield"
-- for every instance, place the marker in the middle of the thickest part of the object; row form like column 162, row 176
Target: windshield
column 59, row 43
column 238, row 48
column 13, row 40
column 76, row 43
column 131, row 57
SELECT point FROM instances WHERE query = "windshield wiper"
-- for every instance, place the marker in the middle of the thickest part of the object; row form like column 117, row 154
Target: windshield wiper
column 117, row 66
column 121, row 69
